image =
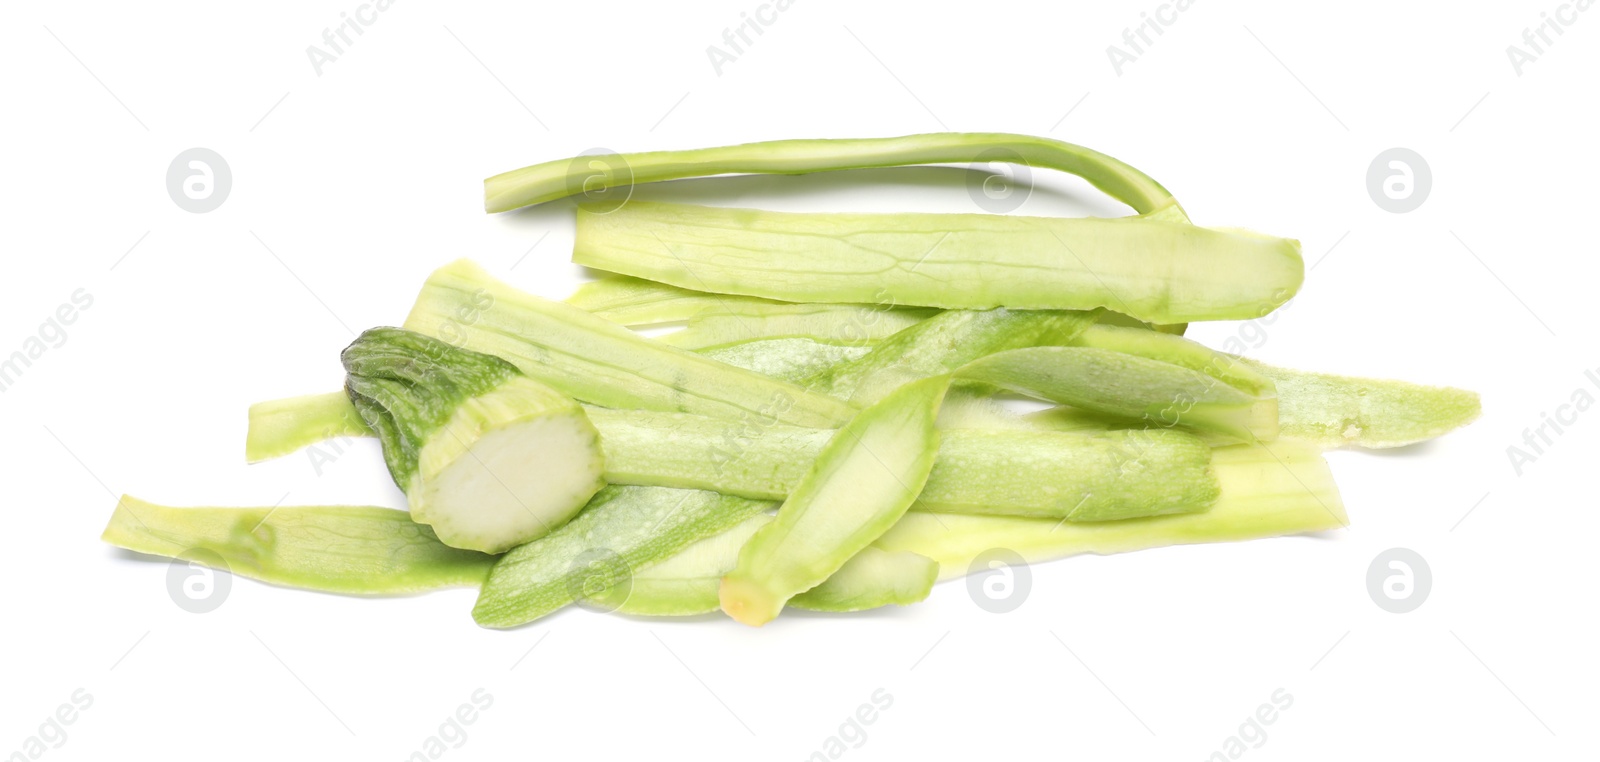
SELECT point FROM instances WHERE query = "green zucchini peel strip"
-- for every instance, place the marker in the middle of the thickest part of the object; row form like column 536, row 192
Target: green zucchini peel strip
column 686, row 584
column 352, row 550
column 597, row 361
column 591, row 558
column 1279, row 488
column 1153, row 270
column 864, row 480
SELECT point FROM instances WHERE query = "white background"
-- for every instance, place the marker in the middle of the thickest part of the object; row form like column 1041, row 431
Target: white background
column 349, row 187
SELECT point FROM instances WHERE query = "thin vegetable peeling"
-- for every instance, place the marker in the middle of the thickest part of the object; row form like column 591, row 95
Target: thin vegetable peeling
column 831, row 424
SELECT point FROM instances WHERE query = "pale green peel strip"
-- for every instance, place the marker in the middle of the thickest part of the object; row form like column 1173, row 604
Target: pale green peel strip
column 638, row 302
column 716, row 320
column 1339, row 411
column 872, row 578
column 1267, row 490
column 944, row 343
column 844, row 502
column 1115, row 383
column 970, row 409
column 1326, row 409
column 687, row 583
column 335, row 549
column 1152, row 270
column 845, row 324
column 1176, row 350
column 358, row 550
column 792, row 360
column 622, row 529
column 1079, row 477
column 866, row 477
column 597, row 361
column 1181, row 376
column 279, row 427
column 282, row 426
column 970, row 343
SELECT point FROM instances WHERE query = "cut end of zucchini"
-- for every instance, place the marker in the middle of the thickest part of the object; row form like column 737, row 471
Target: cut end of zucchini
column 506, row 468
column 748, row 602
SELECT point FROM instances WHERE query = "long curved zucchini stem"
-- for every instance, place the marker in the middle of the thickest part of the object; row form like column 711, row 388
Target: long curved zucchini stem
column 580, row 175
column 1150, row 269
column 335, row 549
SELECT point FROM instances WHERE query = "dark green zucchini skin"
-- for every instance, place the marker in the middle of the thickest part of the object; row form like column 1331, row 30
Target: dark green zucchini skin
column 406, row 386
